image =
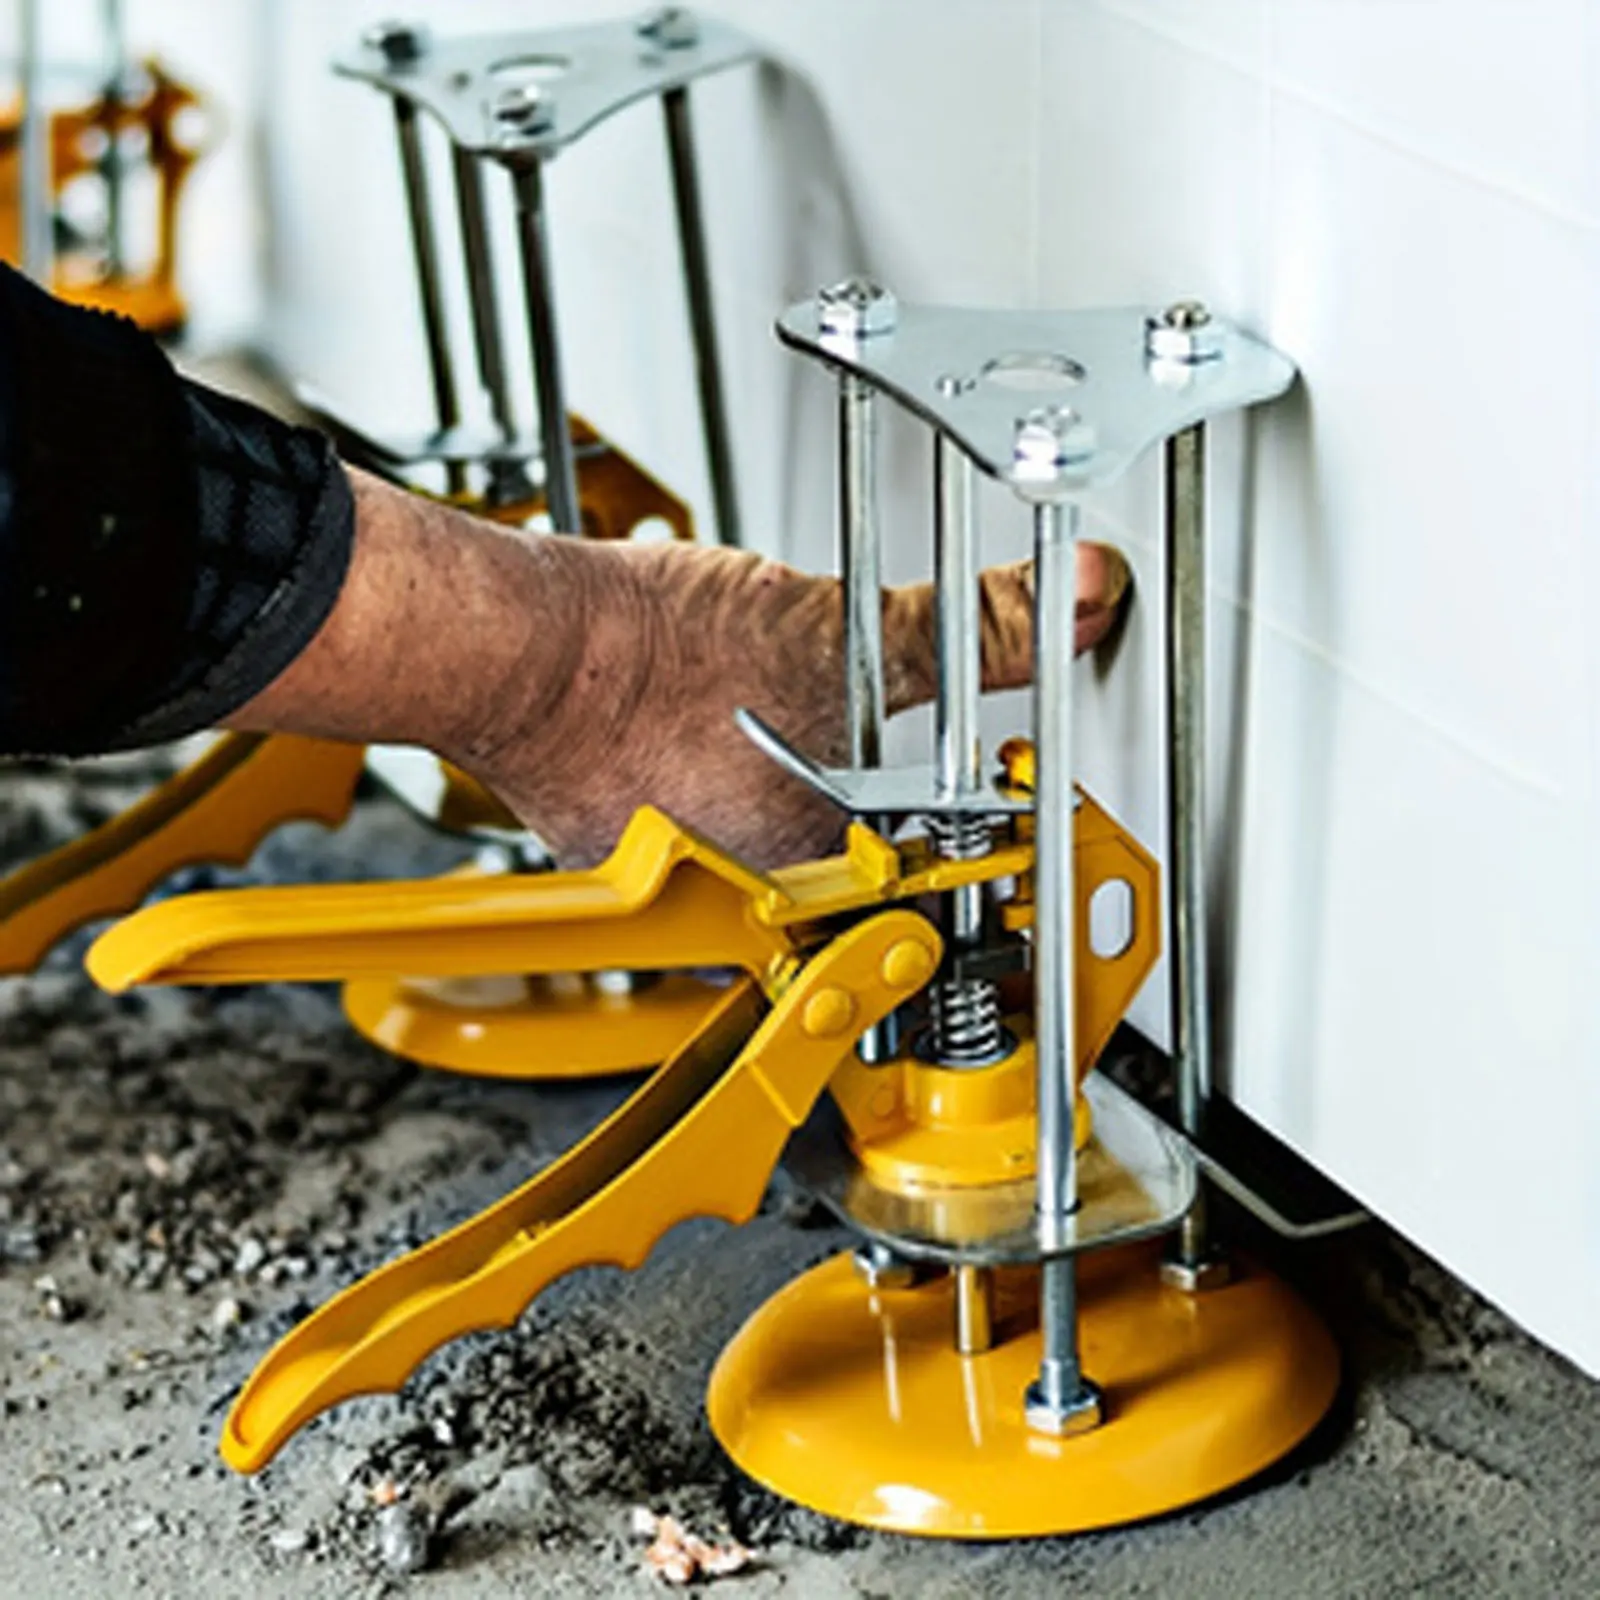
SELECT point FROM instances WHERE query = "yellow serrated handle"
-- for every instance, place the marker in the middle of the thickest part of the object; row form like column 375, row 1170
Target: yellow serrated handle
column 663, row 898
column 218, row 809
column 701, row 1138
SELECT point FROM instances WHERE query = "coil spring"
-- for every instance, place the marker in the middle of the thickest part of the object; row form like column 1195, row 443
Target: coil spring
column 967, row 1030
column 959, row 838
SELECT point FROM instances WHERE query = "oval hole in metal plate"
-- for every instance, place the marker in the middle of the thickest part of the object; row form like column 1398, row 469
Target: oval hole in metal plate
column 1111, row 919
column 517, row 70
column 1035, row 371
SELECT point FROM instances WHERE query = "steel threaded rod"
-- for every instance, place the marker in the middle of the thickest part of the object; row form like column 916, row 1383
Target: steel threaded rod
column 419, row 212
column 1061, row 1400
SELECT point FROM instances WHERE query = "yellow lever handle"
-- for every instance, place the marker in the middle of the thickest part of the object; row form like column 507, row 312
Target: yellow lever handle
column 218, row 809
column 701, row 1138
column 664, row 898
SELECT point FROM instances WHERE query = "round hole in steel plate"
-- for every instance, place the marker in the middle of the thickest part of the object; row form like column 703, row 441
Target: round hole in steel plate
column 1039, row 371
column 517, row 70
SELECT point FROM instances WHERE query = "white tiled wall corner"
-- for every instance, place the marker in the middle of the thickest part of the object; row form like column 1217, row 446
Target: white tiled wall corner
column 1404, row 195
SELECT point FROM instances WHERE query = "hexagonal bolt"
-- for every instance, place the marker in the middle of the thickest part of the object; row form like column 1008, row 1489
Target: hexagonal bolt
column 1047, row 439
column 857, row 308
column 399, row 43
column 523, row 108
column 671, row 27
column 1063, row 1419
column 1184, row 332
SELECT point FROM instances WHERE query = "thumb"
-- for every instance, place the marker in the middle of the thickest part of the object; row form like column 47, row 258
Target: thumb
column 1006, row 611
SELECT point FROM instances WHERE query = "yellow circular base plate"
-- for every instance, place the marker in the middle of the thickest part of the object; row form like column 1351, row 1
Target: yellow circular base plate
column 529, row 1028
column 855, row 1403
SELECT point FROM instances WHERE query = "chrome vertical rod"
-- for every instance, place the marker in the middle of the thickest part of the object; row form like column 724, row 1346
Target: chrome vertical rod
column 861, row 562
column 1185, row 487
column 1061, row 1400
column 560, row 465
column 508, row 482
column 475, row 249
column 38, row 205
column 702, row 319
column 1055, row 983
column 446, row 404
column 955, row 572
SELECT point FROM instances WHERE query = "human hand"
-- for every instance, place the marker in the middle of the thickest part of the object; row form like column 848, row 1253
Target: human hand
column 680, row 636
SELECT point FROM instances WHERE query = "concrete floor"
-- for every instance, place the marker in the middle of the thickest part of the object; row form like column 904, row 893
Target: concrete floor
column 166, row 1154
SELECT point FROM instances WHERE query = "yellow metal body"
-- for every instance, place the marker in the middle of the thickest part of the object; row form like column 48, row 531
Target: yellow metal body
column 217, row 810
column 854, row 1402
column 917, row 1125
column 77, row 147
column 665, row 899
column 830, row 944
column 699, row 1139
column 569, row 1025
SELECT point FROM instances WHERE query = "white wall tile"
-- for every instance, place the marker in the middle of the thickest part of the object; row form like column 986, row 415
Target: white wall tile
column 1498, row 89
column 935, row 113
column 1234, row 30
column 1408, row 984
column 1421, row 515
column 1157, row 180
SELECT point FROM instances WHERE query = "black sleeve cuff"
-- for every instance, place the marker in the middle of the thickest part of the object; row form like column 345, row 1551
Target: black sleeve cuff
column 165, row 552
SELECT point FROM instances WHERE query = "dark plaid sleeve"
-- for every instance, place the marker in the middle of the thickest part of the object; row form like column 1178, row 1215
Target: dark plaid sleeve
column 165, row 552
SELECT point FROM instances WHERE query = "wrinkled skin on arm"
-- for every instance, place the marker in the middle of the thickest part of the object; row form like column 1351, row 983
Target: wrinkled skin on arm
column 580, row 680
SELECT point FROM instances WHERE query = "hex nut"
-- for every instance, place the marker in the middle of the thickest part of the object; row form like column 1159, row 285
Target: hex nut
column 857, row 308
column 671, row 27
column 399, row 43
column 1083, row 1413
column 1047, row 439
column 1185, row 331
column 524, row 108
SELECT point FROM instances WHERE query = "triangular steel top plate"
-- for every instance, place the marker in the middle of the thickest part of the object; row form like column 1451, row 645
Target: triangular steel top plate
column 972, row 374
column 584, row 74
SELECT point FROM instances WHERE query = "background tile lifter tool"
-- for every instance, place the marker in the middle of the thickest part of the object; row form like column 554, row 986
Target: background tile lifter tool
column 90, row 188
column 1010, row 1352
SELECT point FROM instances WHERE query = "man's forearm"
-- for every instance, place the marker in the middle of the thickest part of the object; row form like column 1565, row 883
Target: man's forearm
column 445, row 626
column 580, row 679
